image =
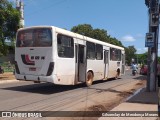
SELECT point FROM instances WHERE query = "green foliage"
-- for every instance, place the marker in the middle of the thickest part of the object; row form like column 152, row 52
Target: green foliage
column 130, row 54
column 100, row 34
column 9, row 23
column 84, row 29
column 142, row 58
column 8, row 67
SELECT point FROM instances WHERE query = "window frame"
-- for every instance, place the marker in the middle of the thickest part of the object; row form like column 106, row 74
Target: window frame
column 91, row 50
column 117, row 55
column 22, row 41
column 99, row 49
column 69, row 47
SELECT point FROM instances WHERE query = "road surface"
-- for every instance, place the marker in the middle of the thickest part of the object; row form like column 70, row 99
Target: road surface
column 27, row 96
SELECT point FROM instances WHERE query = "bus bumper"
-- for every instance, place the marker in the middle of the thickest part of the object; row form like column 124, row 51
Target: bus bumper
column 34, row 78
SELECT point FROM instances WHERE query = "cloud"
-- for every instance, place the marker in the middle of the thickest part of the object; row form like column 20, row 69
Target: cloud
column 142, row 50
column 128, row 38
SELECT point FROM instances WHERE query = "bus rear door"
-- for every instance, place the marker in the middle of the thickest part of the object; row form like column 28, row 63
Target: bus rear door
column 106, row 63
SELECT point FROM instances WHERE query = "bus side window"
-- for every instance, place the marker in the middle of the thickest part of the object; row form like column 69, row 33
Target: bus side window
column 115, row 54
column 65, row 46
column 99, row 52
column 91, row 51
column 112, row 54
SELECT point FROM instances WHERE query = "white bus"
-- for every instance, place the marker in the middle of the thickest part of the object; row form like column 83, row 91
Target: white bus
column 52, row 54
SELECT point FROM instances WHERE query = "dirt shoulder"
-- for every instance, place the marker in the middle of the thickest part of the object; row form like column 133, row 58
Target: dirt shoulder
column 108, row 99
column 7, row 76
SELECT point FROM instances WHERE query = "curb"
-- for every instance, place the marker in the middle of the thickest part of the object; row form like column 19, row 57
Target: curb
column 135, row 93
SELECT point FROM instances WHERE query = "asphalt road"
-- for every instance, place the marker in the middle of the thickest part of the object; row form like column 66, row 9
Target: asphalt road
column 27, row 96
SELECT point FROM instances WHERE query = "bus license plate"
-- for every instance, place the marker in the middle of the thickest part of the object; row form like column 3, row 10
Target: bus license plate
column 32, row 69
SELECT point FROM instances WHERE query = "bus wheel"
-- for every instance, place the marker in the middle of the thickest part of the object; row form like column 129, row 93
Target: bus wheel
column 89, row 79
column 118, row 73
column 116, row 77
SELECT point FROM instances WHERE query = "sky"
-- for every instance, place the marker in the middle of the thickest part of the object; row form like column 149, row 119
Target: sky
column 126, row 20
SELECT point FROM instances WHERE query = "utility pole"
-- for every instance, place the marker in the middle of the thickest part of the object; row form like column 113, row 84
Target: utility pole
column 20, row 8
column 152, row 43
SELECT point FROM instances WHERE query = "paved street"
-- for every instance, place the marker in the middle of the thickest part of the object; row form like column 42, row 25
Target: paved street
column 27, row 96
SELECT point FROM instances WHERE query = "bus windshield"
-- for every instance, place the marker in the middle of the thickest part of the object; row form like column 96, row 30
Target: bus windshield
column 37, row 37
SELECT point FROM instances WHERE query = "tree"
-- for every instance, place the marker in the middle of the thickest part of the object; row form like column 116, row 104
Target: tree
column 142, row 58
column 9, row 23
column 130, row 52
column 99, row 34
column 84, row 29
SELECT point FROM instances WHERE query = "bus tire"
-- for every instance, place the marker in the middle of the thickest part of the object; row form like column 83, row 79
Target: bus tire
column 117, row 74
column 89, row 79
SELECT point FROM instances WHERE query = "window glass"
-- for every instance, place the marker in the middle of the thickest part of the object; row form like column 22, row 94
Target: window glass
column 65, row 46
column 38, row 37
column 115, row 54
column 90, row 50
column 106, row 56
column 99, row 52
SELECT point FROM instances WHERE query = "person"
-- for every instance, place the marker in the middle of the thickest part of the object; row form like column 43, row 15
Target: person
column 134, row 67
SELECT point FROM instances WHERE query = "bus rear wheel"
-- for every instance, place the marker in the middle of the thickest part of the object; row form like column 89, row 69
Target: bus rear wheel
column 89, row 79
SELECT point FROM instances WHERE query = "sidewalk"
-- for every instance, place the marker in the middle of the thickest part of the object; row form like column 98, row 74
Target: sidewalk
column 7, row 77
column 8, row 81
column 141, row 101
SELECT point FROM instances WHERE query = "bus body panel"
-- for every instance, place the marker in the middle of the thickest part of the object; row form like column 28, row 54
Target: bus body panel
column 67, row 71
column 64, row 67
column 65, row 76
column 97, row 66
column 33, row 62
column 113, row 66
column 40, row 60
column 51, row 79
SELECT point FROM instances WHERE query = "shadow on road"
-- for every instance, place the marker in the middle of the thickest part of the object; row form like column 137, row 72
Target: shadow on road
column 49, row 88
column 43, row 88
column 140, row 77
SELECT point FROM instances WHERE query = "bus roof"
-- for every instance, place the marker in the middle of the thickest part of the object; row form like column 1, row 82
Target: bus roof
column 75, row 35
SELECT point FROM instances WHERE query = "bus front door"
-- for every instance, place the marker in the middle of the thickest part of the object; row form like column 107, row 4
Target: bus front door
column 106, row 64
column 80, row 63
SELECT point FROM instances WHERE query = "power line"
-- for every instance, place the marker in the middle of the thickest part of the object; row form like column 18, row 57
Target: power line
column 46, row 7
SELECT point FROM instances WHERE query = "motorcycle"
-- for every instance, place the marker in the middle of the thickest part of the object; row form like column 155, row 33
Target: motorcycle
column 134, row 72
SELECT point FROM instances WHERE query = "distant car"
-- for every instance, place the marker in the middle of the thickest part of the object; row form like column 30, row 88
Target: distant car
column 144, row 70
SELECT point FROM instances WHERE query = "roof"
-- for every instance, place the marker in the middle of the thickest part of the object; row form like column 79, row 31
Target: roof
column 75, row 35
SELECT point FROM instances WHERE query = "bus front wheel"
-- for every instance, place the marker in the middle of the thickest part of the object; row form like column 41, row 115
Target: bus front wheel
column 89, row 79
